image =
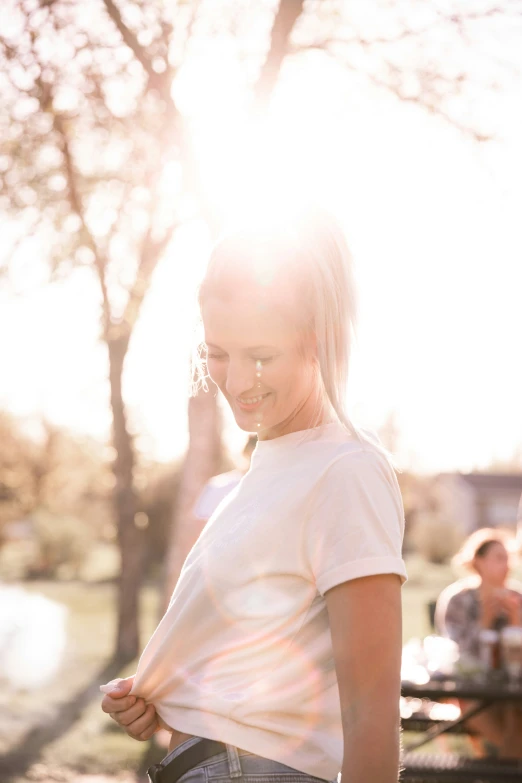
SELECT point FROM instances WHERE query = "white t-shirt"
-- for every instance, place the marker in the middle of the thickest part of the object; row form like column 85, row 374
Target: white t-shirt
column 244, row 652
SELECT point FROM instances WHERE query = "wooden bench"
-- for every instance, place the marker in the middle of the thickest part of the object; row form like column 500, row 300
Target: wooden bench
column 451, row 768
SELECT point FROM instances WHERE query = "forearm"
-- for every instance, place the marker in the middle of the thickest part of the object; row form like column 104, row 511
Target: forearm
column 372, row 748
column 365, row 620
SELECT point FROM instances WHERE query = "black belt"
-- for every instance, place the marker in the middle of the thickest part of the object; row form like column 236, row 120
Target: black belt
column 187, row 759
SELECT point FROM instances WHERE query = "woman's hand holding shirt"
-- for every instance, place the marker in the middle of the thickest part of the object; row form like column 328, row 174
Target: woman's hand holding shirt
column 136, row 717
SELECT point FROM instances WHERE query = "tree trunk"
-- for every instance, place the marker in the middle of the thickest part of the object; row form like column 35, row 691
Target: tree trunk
column 285, row 18
column 201, row 463
column 130, row 538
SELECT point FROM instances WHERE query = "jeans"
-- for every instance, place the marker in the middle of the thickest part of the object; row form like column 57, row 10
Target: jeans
column 238, row 766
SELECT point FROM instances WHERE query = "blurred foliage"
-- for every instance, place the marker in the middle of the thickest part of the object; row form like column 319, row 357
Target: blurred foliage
column 62, row 545
column 18, row 479
column 436, row 537
column 54, row 471
column 93, row 152
column 56, row 502
column 76, row 135
column 54, row 495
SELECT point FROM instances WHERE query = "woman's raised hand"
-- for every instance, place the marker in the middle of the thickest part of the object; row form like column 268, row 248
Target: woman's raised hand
column 132, row 713
column 511, row 603
column 491, row 607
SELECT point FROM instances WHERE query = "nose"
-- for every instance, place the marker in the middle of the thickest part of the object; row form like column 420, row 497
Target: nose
column 240, row 378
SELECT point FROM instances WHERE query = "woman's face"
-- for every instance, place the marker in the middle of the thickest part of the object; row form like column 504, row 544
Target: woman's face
column 493, row 567
column 256, row 358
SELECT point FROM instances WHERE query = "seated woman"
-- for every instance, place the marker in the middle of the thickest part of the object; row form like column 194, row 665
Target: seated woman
column 486, row 600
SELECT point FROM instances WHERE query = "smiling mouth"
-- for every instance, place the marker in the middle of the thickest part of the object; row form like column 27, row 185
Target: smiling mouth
column 249, row 403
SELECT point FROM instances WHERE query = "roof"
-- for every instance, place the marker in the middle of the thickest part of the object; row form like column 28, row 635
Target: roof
column 503, row 481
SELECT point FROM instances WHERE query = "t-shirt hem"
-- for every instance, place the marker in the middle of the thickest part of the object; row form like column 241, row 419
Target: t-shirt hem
column 367, row 567
column 261, row 742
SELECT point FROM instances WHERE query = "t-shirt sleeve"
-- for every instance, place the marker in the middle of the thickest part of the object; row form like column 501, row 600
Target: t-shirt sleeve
column 355, row 525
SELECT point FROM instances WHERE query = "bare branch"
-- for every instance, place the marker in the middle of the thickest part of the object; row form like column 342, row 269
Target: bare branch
column 157, row 81
column 457, row 20
column 77, row 206
column 190, row 27
column 419, row 100
column 151, row 253
column 129, row 38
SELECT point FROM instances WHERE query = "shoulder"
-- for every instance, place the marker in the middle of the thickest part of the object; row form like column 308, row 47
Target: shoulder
column 460, row 593
column 359, row 472
column 357, row 490
column 352, row 460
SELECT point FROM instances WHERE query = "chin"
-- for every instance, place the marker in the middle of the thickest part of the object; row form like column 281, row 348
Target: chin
column 246, row 427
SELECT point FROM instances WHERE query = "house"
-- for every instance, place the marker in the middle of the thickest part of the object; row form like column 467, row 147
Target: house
column 477, row 500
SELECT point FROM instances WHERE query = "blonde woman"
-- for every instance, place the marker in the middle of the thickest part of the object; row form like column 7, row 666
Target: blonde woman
column 279, row 656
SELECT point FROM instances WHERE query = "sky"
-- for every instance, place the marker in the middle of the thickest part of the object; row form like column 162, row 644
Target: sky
column 433, row 220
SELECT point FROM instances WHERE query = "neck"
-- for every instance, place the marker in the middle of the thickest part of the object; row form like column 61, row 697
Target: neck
column 487, row 587
column 313, row 412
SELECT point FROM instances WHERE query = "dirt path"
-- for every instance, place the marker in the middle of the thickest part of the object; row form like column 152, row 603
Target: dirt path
column 40, row 773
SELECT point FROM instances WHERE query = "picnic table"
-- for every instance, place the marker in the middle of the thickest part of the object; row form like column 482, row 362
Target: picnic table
column 452, row 768
column 492, row 688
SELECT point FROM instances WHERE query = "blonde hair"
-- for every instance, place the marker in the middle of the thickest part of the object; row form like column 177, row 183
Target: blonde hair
column 310, row 255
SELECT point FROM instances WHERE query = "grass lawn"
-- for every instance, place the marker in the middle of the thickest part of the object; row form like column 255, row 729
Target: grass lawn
column 89, row 741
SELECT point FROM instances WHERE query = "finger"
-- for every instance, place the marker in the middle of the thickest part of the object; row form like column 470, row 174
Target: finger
column 119, row 705
column 144, row 724
column 143, row 727
column 131, row 715
column 148, row 733
column 119, row 687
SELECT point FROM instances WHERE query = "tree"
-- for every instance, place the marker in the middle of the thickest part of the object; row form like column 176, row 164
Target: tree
column 56, row 488
column 82, row 175
column 99, row 168
column 86, row 91
column 17, row 480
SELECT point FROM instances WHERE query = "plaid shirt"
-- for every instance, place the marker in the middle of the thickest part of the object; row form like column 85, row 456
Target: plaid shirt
column 458, row 616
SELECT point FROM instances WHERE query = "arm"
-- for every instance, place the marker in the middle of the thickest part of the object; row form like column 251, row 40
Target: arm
column 511, row 605
column 366, row 627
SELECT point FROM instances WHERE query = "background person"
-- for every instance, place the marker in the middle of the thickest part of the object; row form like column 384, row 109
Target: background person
column 487, row 600
column 218, row 487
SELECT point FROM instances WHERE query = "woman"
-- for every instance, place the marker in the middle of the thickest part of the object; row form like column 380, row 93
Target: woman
column 282, row 640
column 487, row 601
